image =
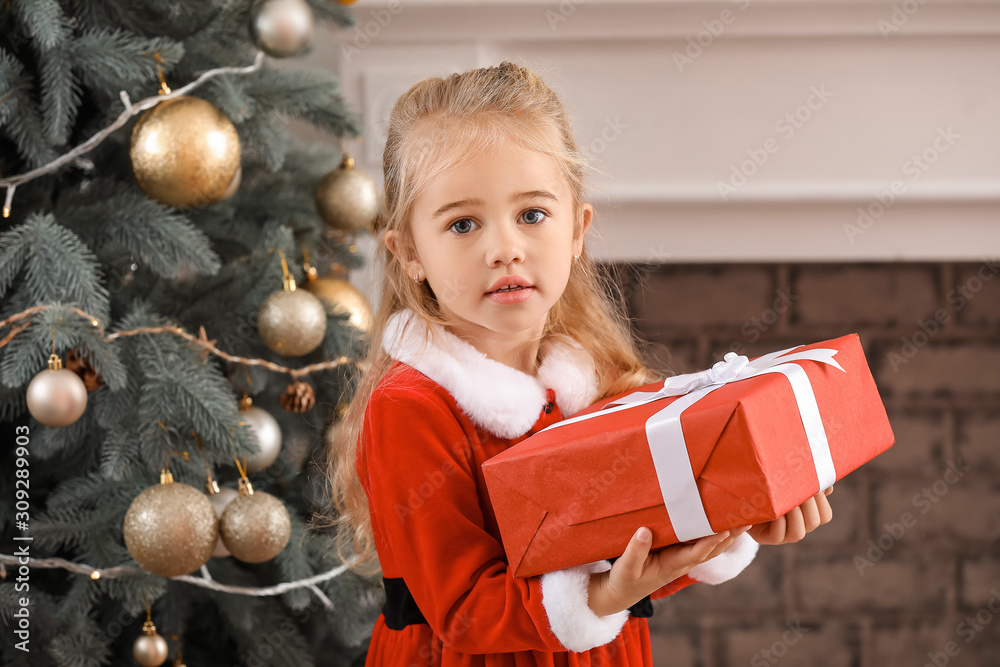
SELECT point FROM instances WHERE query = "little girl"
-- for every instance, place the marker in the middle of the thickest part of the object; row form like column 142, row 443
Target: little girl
column 493, row 325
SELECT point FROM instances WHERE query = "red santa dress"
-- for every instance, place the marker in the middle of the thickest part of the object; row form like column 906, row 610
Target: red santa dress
column 441, row 411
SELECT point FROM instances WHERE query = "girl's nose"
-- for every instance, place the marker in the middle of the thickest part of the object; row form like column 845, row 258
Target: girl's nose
column 505, row 247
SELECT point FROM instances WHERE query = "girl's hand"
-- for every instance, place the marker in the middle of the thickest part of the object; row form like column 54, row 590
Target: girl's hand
column 638, row 573
column 792, row 527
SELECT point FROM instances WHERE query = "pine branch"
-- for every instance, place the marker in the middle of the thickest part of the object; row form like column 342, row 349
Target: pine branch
column 163, row 239
column 13, row 250
column 80, row 646
column 60, row 93
column 113, row 60
column 43, row 21
column 336, row 15
column 61, row 269
column 19, row 113
column 313, row 95
column 293, row 564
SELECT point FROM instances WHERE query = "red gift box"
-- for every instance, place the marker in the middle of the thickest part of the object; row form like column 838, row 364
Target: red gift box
column 743, row 443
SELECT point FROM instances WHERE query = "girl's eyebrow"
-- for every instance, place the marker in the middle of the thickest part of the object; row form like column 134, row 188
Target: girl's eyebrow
column 472, row 201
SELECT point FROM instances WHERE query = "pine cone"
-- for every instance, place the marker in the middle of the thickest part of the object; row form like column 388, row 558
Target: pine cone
column 79, row 365
column 299, row 397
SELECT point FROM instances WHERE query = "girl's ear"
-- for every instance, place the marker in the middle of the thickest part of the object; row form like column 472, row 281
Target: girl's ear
column 403, row 253
column 584, row 219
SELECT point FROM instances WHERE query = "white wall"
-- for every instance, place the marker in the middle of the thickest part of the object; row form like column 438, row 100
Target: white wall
column 903, row 94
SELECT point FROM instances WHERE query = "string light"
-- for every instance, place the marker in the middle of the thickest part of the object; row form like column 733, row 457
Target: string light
column 8, row 200
column 203, row 581
column 295, row 373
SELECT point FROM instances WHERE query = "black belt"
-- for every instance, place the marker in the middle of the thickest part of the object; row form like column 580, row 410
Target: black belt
column 401, row 610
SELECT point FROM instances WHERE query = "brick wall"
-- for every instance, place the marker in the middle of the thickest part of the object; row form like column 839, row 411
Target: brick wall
column 908, row 572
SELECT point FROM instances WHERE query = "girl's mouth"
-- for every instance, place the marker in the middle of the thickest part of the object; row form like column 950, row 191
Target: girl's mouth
column 510, row 294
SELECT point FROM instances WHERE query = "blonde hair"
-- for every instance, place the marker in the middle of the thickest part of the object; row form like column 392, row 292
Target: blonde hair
column 436, row 125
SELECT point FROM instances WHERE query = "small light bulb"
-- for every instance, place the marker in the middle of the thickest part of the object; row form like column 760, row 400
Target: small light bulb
column 6, row 211
column 95, row 575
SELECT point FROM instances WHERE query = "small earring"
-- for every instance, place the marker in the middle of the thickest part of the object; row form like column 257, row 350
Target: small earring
column 415, row 278
column 575, row 257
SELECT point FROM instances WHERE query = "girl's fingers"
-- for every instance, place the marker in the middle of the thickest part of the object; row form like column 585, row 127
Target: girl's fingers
column 795, row 528
column 810, row 515
column 632, row 561
column 698, row 551
column 825, row 511
column 726, row 543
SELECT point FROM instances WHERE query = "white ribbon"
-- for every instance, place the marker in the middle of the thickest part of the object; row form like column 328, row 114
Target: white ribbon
column 666, row 437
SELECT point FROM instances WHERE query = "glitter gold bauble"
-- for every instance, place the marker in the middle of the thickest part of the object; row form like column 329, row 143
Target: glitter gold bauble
column 255, row 527
column 265, row 430
column 347, row 198
column 150, row 649
column 343, row 297
column 171, row 528
column 220, row 497
column 292, row 322
column 56, row 396
column 281, row 28
column 185, row 152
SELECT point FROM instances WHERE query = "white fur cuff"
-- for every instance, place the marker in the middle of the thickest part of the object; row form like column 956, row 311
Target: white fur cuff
column 728, row 564
column 564, row 596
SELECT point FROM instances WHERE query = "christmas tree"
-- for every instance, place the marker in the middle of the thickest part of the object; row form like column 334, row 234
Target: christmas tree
column 176, row 335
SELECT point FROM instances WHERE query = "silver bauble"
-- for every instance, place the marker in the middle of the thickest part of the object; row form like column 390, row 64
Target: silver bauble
column 281, row 28
column 267, row 433
column 150, row 649
column 220, row 500
column 171, row 529
column 56, row 396
column 292, row 322
column 255, row 528
column 347, row 198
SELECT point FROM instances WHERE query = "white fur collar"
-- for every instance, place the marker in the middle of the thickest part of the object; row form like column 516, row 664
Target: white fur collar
column 497, row 398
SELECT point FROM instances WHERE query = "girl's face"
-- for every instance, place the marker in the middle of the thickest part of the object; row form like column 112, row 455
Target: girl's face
column 506, row 214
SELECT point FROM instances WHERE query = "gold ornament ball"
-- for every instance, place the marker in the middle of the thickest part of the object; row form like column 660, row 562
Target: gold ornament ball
column 185, row 152
column 343, row 297
column 267, row 432
column 292, row 322
column 57, row 397
column 150, row 650
column 171, row 529
column 255, row 528
column 220, row 500
column 347, row 198
column 281, row 28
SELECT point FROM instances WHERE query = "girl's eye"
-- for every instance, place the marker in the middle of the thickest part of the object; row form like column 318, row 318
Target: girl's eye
column 541, row 215
column 463, row 226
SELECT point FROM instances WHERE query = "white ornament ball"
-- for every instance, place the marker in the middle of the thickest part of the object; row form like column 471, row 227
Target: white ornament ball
column 150, row 650
column 57, row 397
column 267, row 432
column 220, row 500
column 281, row 28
